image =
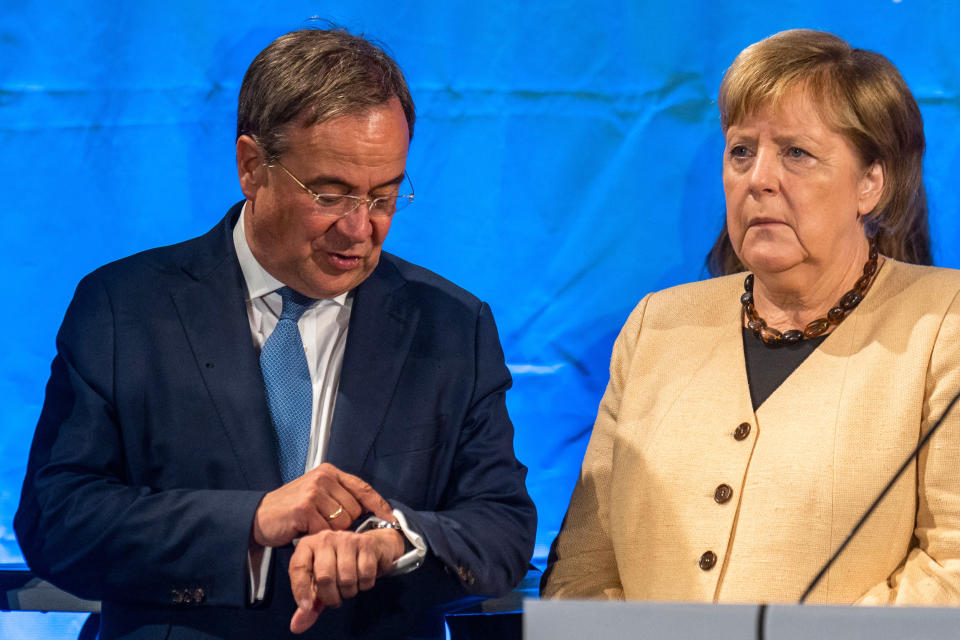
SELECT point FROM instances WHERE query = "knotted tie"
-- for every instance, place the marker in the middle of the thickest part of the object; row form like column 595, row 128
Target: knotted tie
column 287, row 381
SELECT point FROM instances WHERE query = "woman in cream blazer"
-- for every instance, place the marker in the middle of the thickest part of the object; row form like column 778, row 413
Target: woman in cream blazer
column 689, row 493
column 676, row 423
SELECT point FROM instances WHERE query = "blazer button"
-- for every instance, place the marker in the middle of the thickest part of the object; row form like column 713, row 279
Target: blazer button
column 741, row 431
column 177, row 596
column 708, row 560
column 466, row 576
column 722, row 493
column 199, row 595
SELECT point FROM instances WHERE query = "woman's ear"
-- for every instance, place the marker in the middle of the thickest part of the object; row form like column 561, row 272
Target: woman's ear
column 871, row 188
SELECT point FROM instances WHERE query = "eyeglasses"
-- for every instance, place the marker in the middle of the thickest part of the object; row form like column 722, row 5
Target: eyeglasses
column 340, row 204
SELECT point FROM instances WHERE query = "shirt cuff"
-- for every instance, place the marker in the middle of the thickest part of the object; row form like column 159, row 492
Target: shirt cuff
column 258, row 565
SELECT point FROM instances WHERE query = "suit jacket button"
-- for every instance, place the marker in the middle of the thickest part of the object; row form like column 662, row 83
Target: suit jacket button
column 199, row 595
column 722, row 493
column 708, row 560
column 176, row 596
column 741, row 431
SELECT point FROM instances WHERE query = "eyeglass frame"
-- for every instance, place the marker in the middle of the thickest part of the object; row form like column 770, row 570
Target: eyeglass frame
column 357, row 200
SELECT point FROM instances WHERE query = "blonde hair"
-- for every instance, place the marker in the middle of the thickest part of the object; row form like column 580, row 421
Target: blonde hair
column 862, row 96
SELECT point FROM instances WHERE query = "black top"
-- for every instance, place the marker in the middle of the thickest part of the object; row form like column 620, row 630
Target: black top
column 768, row 367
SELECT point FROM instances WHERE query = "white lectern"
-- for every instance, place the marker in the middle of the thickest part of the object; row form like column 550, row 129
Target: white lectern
column 602, row 620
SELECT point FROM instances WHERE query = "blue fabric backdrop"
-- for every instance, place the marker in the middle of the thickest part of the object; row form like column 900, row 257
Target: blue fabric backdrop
column 567, row 161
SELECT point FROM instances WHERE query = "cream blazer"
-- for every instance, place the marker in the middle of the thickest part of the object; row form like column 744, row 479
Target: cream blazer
column 818, row 451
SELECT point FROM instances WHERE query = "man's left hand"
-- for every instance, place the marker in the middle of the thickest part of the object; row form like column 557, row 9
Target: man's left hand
column 329, row 566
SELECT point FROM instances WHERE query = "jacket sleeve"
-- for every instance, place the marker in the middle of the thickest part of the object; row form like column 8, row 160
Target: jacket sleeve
column 930, row 574
column 84, row 525
column 582, row 562
column 483, row 533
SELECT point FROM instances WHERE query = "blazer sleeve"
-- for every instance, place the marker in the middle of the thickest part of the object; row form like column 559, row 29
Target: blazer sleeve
column 84, row 525
column 483, row 533
column 582, row 561
column 930, row 574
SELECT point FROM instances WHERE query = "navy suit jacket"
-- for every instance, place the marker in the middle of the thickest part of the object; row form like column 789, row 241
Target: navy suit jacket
column 155, row 446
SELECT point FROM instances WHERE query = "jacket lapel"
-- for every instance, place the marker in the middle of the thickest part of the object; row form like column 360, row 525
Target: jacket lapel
column 383, row 322
column 719, row 385
column 212, row 310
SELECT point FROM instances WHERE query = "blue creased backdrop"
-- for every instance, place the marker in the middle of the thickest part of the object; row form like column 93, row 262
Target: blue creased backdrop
column 566, row 160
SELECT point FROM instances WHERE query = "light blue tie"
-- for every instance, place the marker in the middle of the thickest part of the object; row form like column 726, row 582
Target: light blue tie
column 287, row 381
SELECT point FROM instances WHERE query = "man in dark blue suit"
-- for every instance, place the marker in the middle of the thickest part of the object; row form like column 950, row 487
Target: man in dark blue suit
column 370, row 484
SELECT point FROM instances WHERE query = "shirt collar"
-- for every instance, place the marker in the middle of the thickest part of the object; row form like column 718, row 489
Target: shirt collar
column 259, row 282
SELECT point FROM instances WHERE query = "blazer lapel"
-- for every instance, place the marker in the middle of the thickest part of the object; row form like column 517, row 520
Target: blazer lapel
column 212, row 310
column 719, row 384
column 382, row 325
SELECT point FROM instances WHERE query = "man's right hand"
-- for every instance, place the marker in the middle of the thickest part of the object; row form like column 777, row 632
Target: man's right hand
column 323, row 498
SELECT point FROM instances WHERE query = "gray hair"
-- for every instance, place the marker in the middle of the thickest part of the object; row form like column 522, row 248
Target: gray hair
column 312, row 76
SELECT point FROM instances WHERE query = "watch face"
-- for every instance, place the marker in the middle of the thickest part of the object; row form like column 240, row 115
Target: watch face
column 373, row 522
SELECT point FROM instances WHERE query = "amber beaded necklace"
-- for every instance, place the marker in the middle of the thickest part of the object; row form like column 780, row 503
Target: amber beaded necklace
column 835, row 316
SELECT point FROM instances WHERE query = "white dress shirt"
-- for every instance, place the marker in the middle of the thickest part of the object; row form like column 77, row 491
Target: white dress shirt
column 323, row 329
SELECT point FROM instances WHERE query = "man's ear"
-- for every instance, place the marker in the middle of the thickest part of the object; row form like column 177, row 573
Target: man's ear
column 871, row 188
column 250, row 167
